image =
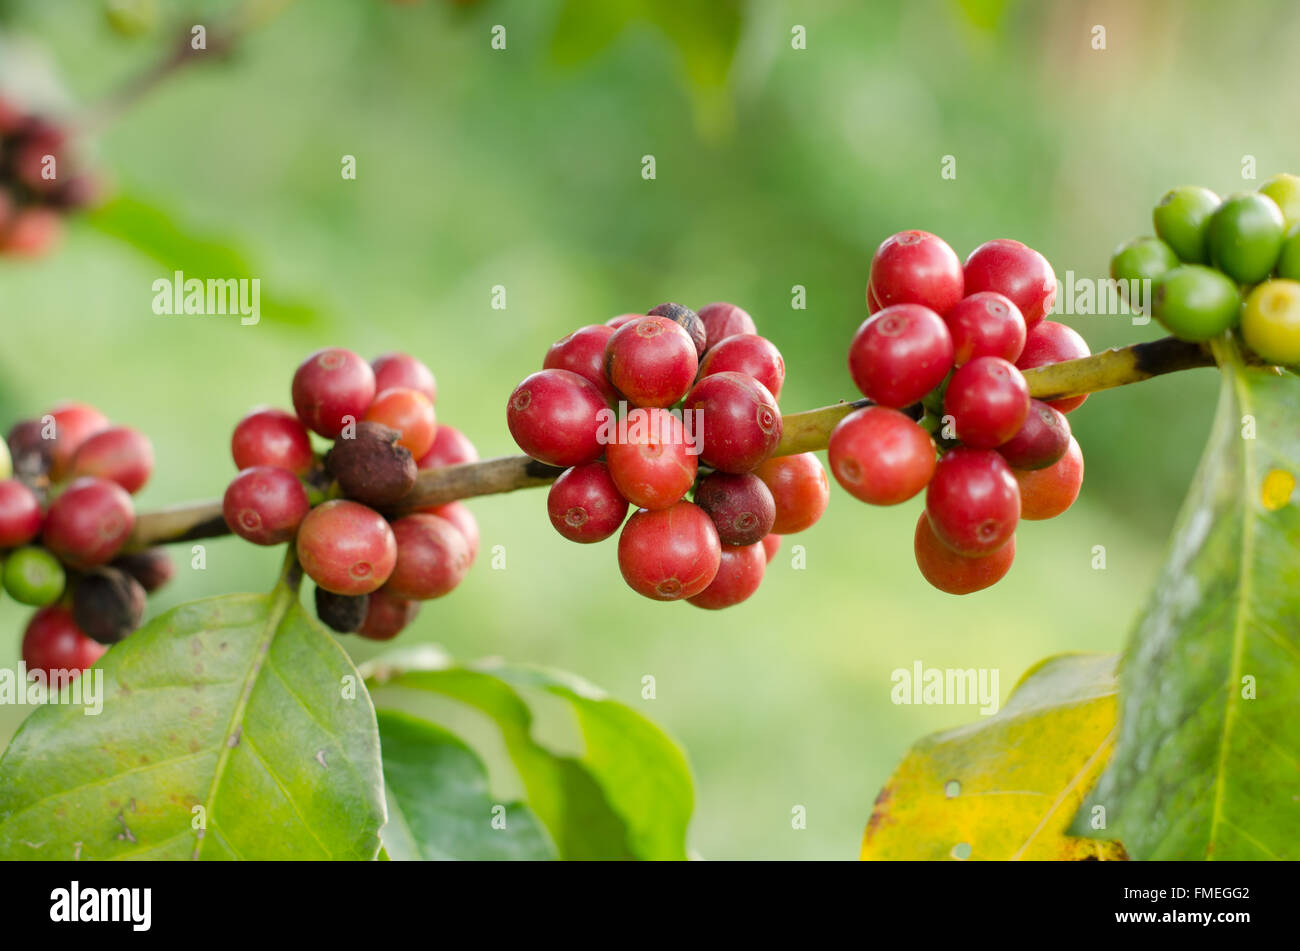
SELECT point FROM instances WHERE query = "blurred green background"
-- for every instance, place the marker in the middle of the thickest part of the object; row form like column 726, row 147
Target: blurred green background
column 775, row 167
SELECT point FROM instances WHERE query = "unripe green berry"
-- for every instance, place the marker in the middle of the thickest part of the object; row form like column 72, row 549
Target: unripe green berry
column 1246, row 237
column 1285, row 190
column 33, row 576
column 1288, row 262
column 1182, row 221
column 1194, row 302
column 1138, row 260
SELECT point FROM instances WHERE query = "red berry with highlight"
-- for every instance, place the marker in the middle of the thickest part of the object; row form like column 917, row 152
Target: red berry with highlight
column 265, row 505
column 1046, row 493
column 450, row 447
column 651, row 361
column 459, row 515
column 722, row 320
column 1049, row 343
column 555, row 416
column 1042, row 440
column 432, row 557
column 751, row 355
column 53, row 642
column 973, row 501
column 120, row 454
column 900, row 354
column 669, row 554
column 736, row 419
column 985, row 325
column 741, row 506
column 330, row 386
column 583, row 352
column 916, row 267
column 401, row 371
column 799, row 488
column 954, row 573
column 346, row 547
column 771, row 545
column 410, row 413
column 585, row 505
column 387, row 616
column 880, row 456
column 740, row 572
column 20, row 514
column 89, row 522
column 272, row 437
column 1015, row 271
column 988, row 400
column 650, row 461
column 74, row 423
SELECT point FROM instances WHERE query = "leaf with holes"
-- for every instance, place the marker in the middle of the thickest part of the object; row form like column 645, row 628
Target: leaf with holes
column 1007, row 786
column 1208, row 759
column 232, row 727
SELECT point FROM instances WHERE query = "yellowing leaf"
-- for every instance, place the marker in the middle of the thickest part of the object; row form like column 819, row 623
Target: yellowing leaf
column 1007, row 786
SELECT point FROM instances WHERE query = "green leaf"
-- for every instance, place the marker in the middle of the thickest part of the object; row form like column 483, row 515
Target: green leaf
column 227, row 731
column 1208, row 759
column 439, row 806
column 1006, row 787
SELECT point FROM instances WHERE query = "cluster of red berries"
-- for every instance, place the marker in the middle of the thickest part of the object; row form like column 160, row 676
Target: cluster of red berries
column 66, row 481
column 38, row 182
column 371, row 573
column 942, row 354
column 643, row 409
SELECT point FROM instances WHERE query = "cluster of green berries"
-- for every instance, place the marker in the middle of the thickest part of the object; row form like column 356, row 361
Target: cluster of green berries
column 673, row 413
column 1219, row 264
column 371, row 570
column 66, row 516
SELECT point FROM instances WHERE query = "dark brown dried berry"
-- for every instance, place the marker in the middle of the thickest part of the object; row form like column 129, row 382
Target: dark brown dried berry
column 371, row 467
column 688, row 320
column 344, row 613
column 107, row 604
column 152, row 568
column 33, row 454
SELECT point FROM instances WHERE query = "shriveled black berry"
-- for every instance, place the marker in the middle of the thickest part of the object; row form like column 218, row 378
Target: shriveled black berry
column 107, row 604
column 371, row 467
column 688, row 320
column 33, row 455
column 344, row 613
column 152, row 568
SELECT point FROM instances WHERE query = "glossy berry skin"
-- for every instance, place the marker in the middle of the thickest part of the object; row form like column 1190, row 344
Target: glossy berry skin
column 723, row 320
column 799, row 489
column 1194, row 302
column 1049, row 343
column 450, row 447
column 89, row 522
column 771, row 545
column 272, row 437
column 1246, row 237
column 737, row 419
column 1046, row 493
column 53, row 642
column 463, row 519
column 653, row 466
column 988, row 400
column 1041, row 440
column 669, row 554
column 20, row 514
column 916, row 267
column 394, row 371
column 1285, row 190
column 330, row 386
column 33, row 576
column 555, row 415
column 120, row 454
column 880, row 456
column 432, row 557
column 986, row 324
column 900, row 354
column 387, row 616
column 873, row 303
column 1137, row 265
column 957, row 574
column 265, row 505
column 409, row 412
column 585, row 505
column 740, row 572
column 74, row 423
column 1015, row 271
column 751, row 355
column 651, row 362
column 688, row 320
column 1270, row 321
column 621, row 319
column 973, row 502
column 583, row 352
column 346, row 547
column 741, row 506
column 1182, row 221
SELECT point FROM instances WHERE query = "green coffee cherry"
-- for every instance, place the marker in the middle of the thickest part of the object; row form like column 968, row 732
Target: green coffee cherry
column 1194, row 302
column 1246, row 237
column 6, row 461
column 33, row 576
column 1288, row 262
column 1182, row 221
column 1138, row 260
column 1285, row 190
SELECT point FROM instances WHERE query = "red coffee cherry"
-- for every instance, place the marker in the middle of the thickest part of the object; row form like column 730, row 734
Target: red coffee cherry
column 1016, row 271
column 387, row 616
column 916, row 267
column 751, row 355
column 89, row 522
column 771, row 545
column 988, row 400
column 688, row 320
column 585, row 505
column 272, row 437
column 736, row 419
column 873, row 303
column 650, row 462
column 651, row 361
column 583, row 352
column 265, row 505
column 74, row 423
column 330, row 386
column 432, row 558
column 1042, row 440
column 120, row 454
column 900, row 354
column 799, row 488
column 985, row 325
column 740, row 572
column 954, row 573
column 741, row 506
column 621, row 319
column 669, row 554
column 20, row 514
column 973, row 501
column 460, row 516
column 880, row 456
column 555, row 417
column 410, row 413
column 53, row 642
column 346, row 547
column 1048, row 343
column 401, row 371
column 1046, row 493
column 450, row 447
column 722, row 320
